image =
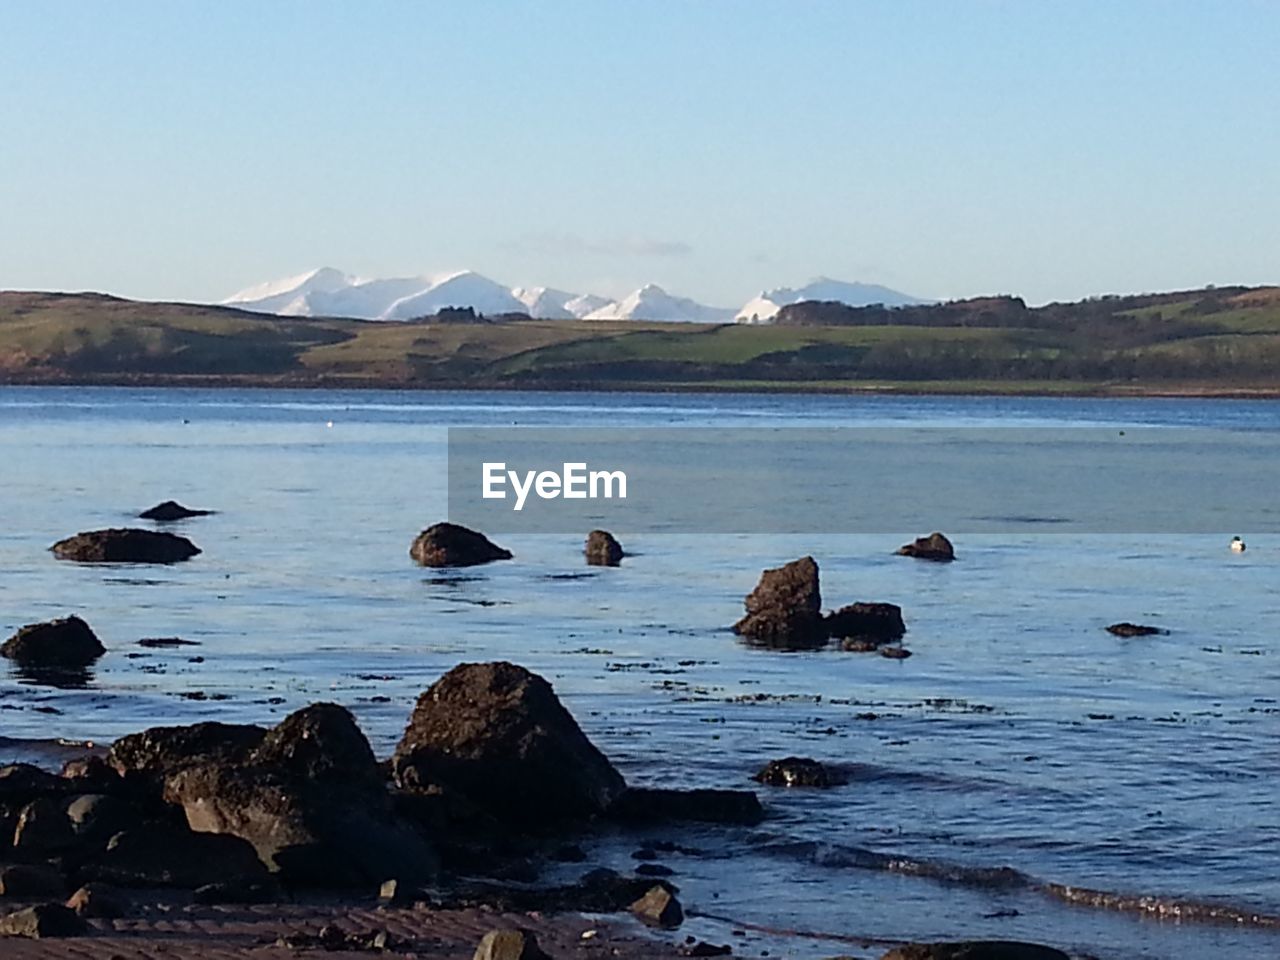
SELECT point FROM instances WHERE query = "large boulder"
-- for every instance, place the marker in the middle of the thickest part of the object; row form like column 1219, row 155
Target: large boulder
column 171, row 511
column 125, row 546
column 449, row 545
column 495, row 734
column 875, row 623
column 975, row 950
column 933, row 547
column 160, row 751
column 311, row 800
column 68, row 643
column 602, row 550
column 785, row 608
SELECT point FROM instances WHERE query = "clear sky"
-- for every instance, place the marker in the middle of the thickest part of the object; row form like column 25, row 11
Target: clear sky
column 1053, row 149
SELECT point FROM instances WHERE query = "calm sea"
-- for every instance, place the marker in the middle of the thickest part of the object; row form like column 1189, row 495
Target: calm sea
column 1020, row 733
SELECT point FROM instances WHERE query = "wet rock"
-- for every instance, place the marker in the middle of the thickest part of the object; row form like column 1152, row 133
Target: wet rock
column 43, row 920
column 700, row 948
column 53, row 824
column 171, row 510
column 934, row 547
column 160, row 751
column 161, row 855
column 66, row 643
column 31, row 880
column 799, row 772
column 655, row 805
column 497, row 735
column 450, row 545
column 785, row 608
column 509, row 945
column 895, row 653
column 166, row 642
column 312, row 803
column 125, row 546
column 654, row 870
column 100, row 900
column 602, row 550
column 859, row 645
column 659, row 908
column 975, row 950
column 1126, row 629
column 879, row 622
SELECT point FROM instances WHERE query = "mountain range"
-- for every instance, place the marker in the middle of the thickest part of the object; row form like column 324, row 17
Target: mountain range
column 327, row 292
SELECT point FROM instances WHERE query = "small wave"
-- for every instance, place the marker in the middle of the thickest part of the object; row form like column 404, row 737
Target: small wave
column 1159, row 906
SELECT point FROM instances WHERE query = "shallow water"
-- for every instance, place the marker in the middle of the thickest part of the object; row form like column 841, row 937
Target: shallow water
column 1020, row 734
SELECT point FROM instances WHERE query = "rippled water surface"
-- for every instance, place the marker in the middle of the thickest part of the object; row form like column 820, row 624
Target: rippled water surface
column 1020, row 733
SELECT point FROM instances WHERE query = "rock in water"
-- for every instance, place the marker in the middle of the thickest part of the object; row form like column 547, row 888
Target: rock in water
column 1127, row 629
column 449, row 545
column 496, row 735
column 67, row 644
column 660, row 805
column 509, row 945
column 875, row 622
column 933, row 547
column 602, row 550
column 785, row 608
column 43, row 920
column 125, row 546
column 171, row 510
column 799, row 772
column 975, row 950
column 659, row 908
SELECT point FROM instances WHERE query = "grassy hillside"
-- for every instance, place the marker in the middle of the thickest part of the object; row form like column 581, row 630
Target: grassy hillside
column 1208, row 341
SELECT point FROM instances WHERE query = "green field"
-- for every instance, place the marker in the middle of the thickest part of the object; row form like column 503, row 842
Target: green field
column 1199, row 342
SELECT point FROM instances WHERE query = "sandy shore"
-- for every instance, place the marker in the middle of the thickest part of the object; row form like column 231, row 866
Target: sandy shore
column 173, row 930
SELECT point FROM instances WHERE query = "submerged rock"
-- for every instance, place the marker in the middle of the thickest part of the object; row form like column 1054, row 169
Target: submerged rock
column 1127, row 629
column 934, row 547
column 799, row 772
column 450, row 545
column 975, row 950
column 875, row 622
column 602, row 550
column 785, row 608
column 495, row 734
column 68, row 643
column 171, row 510
column 125, row 546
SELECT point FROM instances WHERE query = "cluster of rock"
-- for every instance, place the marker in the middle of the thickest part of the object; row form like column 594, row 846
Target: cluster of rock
column 784, row 611
column 452, row 545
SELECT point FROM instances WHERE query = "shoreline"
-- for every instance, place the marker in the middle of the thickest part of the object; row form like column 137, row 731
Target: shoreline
column 1039, row 389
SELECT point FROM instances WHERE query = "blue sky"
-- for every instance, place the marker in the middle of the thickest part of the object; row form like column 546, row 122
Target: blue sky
column 1051, row 149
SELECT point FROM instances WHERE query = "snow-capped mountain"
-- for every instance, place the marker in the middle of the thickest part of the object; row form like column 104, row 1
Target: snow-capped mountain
column 547, row 303
column 764, row 307
column 287, row 296
column 463, row 289
column 651, row 302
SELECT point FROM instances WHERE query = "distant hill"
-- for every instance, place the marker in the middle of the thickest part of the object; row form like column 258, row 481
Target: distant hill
column 765, row 307
column 1214, row 341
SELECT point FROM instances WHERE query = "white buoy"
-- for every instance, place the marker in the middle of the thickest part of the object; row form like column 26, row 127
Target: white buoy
column 1237, row 545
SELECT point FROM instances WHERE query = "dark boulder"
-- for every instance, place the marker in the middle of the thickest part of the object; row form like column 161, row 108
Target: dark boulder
column 171, row 511
column 449, row 545
column 642, row 805
column 160, row 751
column 878, row 622
column 159, row 854
column 43, row 920
column 21, row 783
column 27, row 880
column 975, row 950
column 1127, row 629
column 68, row 643
column 799, row 772
column 785, row 608
column 125, row 546
column 312, row 801
column 509, row 945
column 602, row 550
column 934, row 547
column 497, row 735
